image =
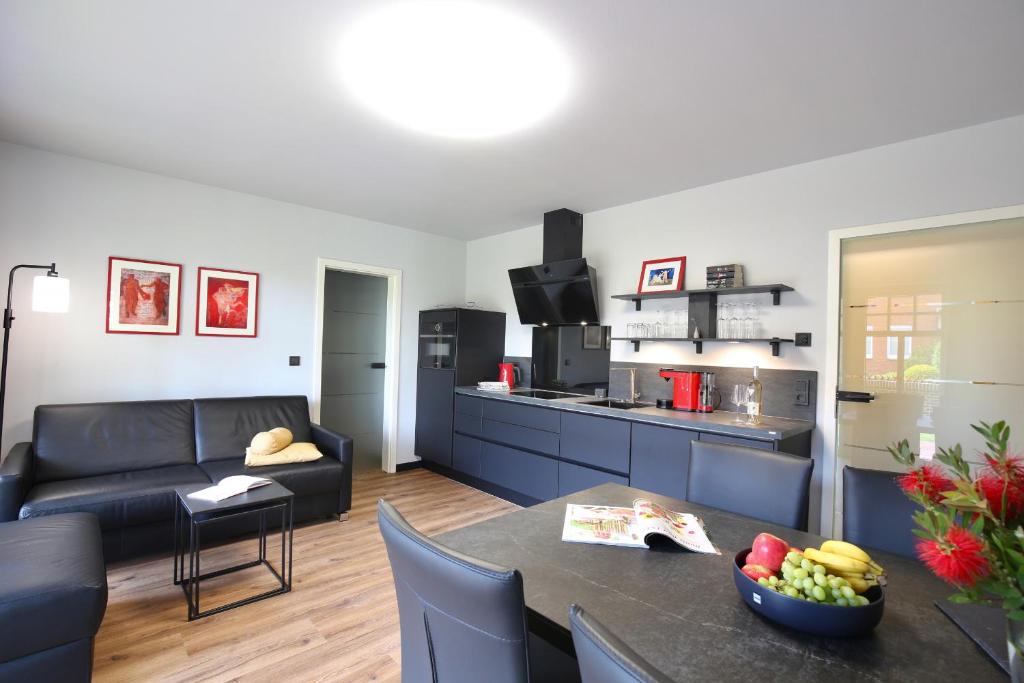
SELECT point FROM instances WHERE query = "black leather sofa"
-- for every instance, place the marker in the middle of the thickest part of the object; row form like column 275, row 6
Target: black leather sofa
column 122, row 461
column 53, row 593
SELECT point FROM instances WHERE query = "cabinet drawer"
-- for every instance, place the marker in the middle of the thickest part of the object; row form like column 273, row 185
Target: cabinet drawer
column 573, row 478
column 467, row 424
column 659, row 459
column 468, row 405
column 739, row 441
column 466, row 454
column 526, row 473
column 521, row 437
column 522, row 415
column 596, row 441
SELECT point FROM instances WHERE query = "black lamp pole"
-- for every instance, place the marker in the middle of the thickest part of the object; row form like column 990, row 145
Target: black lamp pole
column 8, row 319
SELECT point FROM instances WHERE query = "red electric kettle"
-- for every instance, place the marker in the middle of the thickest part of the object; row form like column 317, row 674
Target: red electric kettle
column 509, row 374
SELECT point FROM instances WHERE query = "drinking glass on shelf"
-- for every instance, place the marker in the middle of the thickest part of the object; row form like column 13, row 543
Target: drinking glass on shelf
column 723, row 321
column 739, row 399
column 659, row 325
column 750, row 322
column 630, row 330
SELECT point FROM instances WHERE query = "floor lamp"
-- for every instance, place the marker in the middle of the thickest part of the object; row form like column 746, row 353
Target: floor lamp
column 50, row 294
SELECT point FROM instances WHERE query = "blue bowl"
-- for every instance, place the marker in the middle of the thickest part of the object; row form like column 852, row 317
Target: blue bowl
column 810, row 617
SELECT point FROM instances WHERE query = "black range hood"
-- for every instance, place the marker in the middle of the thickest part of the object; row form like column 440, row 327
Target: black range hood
column 562, row 290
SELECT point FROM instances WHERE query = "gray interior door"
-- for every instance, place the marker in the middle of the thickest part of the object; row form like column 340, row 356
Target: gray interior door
column 352, row 389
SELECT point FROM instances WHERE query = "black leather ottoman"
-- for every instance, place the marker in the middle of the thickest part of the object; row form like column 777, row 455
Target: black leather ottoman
column 53, row 592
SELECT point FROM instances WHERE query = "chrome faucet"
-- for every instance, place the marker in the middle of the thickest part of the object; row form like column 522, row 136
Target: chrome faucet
column 633, row 393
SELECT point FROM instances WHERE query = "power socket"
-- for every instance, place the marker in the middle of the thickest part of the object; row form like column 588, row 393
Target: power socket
column 802, row 339
column 803, row 392
column 293, row 360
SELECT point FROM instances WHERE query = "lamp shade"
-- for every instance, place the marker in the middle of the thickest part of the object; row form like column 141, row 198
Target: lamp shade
column 51, row 294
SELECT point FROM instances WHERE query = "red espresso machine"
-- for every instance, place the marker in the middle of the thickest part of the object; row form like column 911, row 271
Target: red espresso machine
column 691, row 391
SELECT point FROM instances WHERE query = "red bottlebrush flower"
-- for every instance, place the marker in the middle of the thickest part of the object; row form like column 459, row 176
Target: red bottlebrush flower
column 927, row 480
column 992, row 486
column 958, row 558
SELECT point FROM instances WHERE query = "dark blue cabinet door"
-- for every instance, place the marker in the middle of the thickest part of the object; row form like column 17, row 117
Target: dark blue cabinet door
column 526, row 473
column 434, row 411
column 468, row 405
column 522, row 415
column 573, row 478
column 738, row 441
column 660, row 459
column 595, row 441
column 521, row 437
column 466, row 455
column 467, row 424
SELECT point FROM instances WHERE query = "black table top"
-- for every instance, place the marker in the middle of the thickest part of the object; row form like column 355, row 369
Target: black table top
column 254, row 498
column 682, row 612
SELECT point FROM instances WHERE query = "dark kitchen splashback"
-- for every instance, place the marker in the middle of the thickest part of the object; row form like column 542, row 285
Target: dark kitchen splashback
column 780, row 386
column 525, row 368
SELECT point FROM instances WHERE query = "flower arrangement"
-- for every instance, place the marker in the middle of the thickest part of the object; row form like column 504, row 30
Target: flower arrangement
column 970, row 528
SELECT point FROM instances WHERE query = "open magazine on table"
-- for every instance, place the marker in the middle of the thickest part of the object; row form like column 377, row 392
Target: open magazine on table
column 633, row 527
column 228, row 487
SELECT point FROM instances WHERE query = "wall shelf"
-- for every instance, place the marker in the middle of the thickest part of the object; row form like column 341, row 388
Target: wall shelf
column 775, row 290
column 774, row 342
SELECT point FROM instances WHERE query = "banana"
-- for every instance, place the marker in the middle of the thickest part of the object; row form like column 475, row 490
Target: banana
column 858, row 584
column 837, row 563
column 850, row 550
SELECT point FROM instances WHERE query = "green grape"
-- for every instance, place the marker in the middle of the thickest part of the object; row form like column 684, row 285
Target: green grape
column 810, row 598
column 848, row 592
column 808, row 584
column 818, row 569
column 819, row 593
column 842, row 602
column 836, row 593
column 806, row 564
column 819, row 579
column 842, row 581
column 787, row 566
column 800, row 574
column 773, row 580
column 763, row 581
column 794, row 558
column 833, row 582
column 791, row 592
column 861, row 600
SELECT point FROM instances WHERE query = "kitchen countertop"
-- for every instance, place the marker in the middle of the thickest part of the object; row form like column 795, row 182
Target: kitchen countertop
column 718, row 422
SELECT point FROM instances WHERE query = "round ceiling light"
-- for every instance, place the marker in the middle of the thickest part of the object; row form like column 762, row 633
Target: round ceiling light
column 454, row 68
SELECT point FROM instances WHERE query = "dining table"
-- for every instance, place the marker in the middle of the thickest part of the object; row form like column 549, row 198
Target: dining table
column 681, row 611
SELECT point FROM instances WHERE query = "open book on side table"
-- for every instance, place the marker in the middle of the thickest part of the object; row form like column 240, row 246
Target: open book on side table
column 229, row 486
column 633, row 527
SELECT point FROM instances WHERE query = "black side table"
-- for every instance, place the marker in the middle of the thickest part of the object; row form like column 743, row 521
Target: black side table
column 191, row 515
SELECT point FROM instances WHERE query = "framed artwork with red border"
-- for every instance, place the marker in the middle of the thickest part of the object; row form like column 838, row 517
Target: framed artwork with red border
column 662, row 275
column 143, row 297
column 227, row 303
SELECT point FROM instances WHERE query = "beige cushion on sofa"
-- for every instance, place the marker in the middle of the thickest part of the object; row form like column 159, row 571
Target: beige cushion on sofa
column 266, row 443
column 296, row 452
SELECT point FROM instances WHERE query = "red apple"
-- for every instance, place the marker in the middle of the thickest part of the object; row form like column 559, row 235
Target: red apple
column 769, row 551
column 757, row 571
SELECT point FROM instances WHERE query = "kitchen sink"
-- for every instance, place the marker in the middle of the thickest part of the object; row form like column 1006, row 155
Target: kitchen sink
column 613, row 403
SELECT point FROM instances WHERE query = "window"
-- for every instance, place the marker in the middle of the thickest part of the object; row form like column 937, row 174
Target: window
column 892, row 344
column 869, row 348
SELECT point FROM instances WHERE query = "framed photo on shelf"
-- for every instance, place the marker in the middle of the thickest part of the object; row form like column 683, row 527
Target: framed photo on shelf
column 593, row 336
column 143, row 297
column 662, row 275
column 227, row 303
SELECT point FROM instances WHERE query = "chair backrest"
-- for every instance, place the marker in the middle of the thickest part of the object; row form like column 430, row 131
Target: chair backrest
column 461, row 619
column 225, row 426
column 773, row 487
column 603, row 658
column 89, row 439
column 876, row 513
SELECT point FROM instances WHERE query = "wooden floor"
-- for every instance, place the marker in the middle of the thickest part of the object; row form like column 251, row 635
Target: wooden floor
column 339, row 623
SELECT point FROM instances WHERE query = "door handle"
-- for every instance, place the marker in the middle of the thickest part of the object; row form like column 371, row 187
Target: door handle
column 377, row 366
column 854, row 396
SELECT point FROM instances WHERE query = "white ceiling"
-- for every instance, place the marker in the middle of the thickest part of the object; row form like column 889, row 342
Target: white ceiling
column 668, row 95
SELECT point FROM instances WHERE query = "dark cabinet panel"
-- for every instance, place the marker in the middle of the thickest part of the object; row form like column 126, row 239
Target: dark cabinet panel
column 738, row 441
column 467, row 424
column 573, row 478
column 434, row 410
column 466, row 455
column 660, row 459
column 522, row 415
column 521, row 437
column 467, row 405
column 597, row 441
column 526, row 473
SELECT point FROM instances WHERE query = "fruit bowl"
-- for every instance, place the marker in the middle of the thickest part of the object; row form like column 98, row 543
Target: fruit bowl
column 809, row 617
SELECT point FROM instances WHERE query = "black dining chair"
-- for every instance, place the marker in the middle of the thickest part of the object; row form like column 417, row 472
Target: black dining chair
column 461, row 619
column 772, row 487
column 876, row 513
column 603, row 657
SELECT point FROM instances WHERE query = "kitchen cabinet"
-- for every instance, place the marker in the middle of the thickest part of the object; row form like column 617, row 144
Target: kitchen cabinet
column 738, row 441
column 573, row 478
column 434, row 415
column 660, row 459
column 466, row 455
column 521, row 437
column 522, row 415
column 595, row 441
column 526, row 473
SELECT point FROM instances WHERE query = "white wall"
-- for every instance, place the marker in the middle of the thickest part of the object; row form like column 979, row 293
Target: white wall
column 77, row 213
column 776, row 224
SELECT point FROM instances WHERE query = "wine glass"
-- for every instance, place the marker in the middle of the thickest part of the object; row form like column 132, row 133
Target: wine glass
column 723, row 321
column 750, row 326
column 739, row 399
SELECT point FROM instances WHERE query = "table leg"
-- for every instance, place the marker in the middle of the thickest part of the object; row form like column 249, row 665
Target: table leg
column 176, row 539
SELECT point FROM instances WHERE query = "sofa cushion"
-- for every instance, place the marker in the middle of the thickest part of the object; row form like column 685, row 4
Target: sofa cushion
column 118, row 500
column 53, row 583
column 226, row 426
column 301, row 478
column 88, row 439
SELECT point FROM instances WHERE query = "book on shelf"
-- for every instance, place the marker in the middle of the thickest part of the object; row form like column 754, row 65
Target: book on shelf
column 634, row 527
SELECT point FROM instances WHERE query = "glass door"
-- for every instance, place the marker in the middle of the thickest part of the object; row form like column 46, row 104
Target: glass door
column 931, row 331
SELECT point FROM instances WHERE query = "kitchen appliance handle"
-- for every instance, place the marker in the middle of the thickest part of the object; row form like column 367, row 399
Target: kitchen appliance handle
column 377, row 366
column 854, row 396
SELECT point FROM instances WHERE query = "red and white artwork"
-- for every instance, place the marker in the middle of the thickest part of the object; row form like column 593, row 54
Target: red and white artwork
column 226, row 303
column 143, row 297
